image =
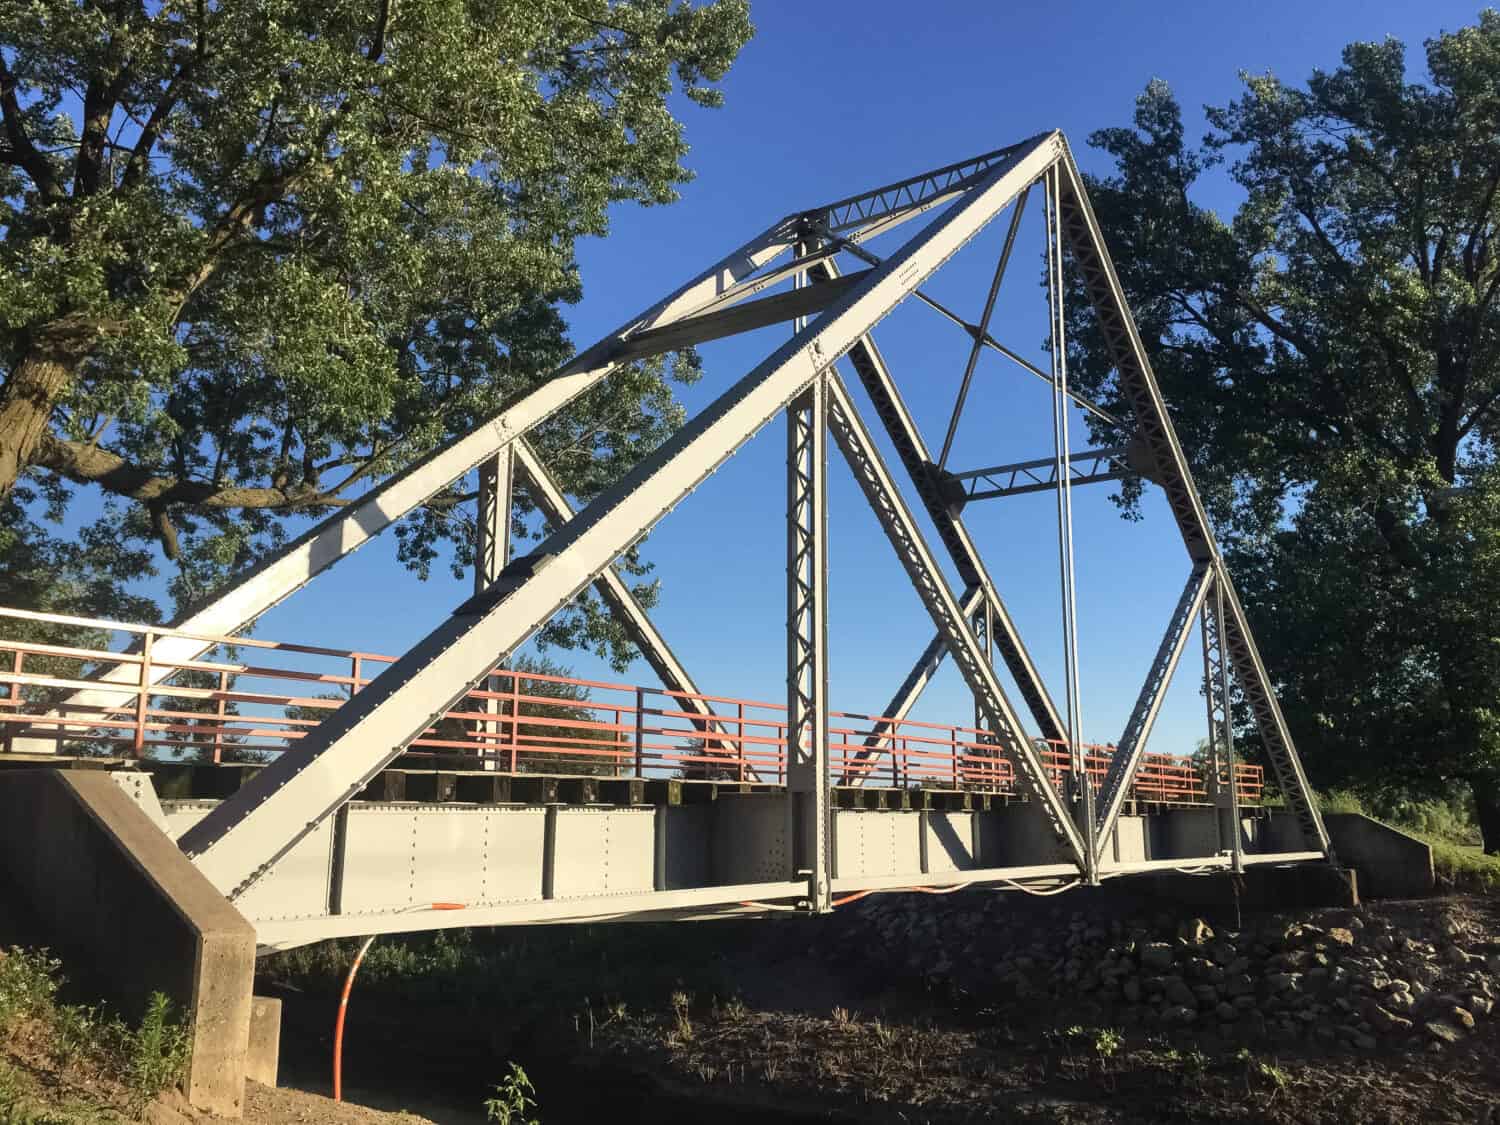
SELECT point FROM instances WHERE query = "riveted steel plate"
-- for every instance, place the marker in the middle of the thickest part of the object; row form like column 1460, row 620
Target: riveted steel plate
column 603, row 851
column 950, row 841
column 399, row 856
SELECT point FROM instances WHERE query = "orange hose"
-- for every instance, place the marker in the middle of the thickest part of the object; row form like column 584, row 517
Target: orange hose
column 338, row 1026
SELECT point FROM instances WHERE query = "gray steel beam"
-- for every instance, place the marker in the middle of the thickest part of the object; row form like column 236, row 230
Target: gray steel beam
column 1132, row 748
column 870, row 366
column 1152, row 427
column 808, row 809
column 242, row 837
column 1083, row 785
column 491, row 553
column 915, row 193
column 1223, row 786
column 492, row 519
column 296, row 564
column 715, row 325
column 1088, row 467
column 921, row 567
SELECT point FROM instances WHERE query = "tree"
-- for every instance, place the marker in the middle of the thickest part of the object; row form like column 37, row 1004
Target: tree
column 1330, row 355
column 256, row 255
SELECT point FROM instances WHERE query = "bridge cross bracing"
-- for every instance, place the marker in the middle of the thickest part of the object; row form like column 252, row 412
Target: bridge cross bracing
column 833, row 311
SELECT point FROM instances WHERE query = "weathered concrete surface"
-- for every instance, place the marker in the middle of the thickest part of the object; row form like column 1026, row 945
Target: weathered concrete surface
column 1390, row 863
column 265, row 1040
column 132, row 915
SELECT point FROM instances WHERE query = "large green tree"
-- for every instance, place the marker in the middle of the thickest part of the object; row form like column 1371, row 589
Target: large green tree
column 258, row 254
column 1332, row 355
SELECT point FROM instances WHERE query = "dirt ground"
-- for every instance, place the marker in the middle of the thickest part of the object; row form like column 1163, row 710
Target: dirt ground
column 267, row 1106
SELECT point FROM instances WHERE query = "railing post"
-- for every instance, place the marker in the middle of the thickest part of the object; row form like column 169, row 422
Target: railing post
column 219, row 712
column 616, row 743
column 143, row 696
column 640, row 731
column 515, row 715
column 15, row 698
column 740, row 738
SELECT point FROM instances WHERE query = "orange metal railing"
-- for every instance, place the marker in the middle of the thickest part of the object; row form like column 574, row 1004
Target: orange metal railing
column 249, row 699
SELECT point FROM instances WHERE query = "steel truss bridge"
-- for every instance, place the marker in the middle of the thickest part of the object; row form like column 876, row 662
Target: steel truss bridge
column 543, row 799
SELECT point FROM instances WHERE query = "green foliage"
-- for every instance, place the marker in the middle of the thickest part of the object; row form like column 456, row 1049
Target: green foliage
column 146, row 1060
column 254, row 256
column 513, row 1101
column 1329, row 353
column 28, row 985
column 153, row 1057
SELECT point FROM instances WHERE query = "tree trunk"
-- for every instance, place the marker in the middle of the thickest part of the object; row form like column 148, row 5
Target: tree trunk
column 41, row 377
column 1487, row 804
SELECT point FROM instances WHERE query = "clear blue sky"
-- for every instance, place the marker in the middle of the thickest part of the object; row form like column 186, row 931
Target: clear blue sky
column 831, row 98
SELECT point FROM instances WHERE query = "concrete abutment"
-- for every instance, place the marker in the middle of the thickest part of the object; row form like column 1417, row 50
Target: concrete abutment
column 132, row 916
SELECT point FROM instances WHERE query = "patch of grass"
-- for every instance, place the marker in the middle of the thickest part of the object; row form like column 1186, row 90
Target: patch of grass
column 154, row 1057
column 1463, row 865
column 139, row 1063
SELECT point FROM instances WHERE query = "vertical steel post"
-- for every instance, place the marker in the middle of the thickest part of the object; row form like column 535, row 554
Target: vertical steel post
column 1077, row 757
column 1235, row 842
column 1219, row 769
column 807, row 636
column 491, row 552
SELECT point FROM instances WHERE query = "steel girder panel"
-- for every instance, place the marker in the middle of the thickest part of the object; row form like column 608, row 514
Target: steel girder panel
column 297, row 884
column 307, row 782
column 948, row 842
column 405, row 856
column 601, row 852
column 869, row 842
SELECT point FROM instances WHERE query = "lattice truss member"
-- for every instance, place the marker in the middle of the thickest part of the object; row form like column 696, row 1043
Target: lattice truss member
column 815, row 270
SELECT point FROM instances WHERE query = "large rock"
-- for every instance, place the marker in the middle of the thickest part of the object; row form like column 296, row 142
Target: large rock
column 1157, row 956
column 1283, row 982
column 1442, row 1032
column 1178, row 992
column 1195, row 931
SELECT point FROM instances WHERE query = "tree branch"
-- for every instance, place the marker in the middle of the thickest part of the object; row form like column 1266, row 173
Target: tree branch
column 88, row 464
column 25, row 154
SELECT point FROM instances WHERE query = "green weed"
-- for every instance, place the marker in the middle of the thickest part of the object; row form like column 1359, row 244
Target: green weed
column 513, row 1100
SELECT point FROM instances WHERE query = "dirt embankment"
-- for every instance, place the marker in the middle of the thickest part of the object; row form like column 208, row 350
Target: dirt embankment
column 975, row 1006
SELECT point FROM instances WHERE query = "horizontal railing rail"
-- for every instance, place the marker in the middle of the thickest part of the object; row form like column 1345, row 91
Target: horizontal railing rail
column 219, row 707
